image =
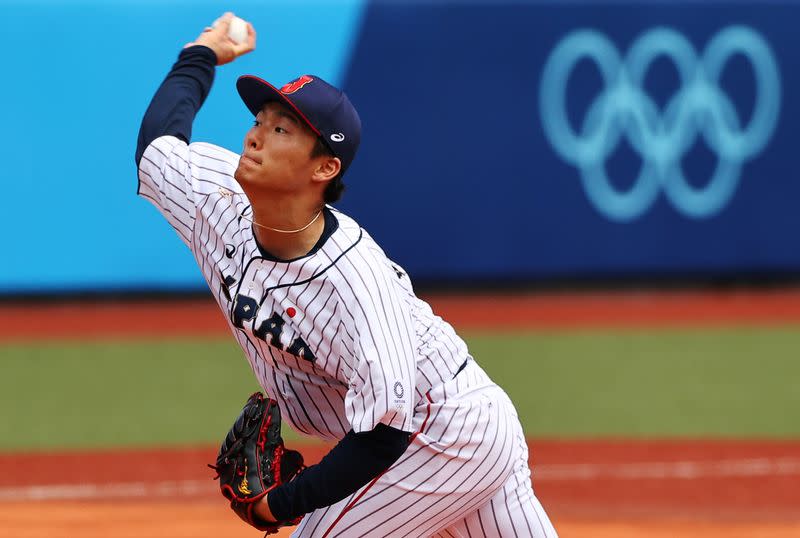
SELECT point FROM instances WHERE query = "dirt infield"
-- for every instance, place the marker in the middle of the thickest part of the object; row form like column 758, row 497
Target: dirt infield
column 590, row 488
column 207, row 519
column 201, row 317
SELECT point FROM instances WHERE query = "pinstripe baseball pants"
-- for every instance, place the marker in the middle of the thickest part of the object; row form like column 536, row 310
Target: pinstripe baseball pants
column 465, row 474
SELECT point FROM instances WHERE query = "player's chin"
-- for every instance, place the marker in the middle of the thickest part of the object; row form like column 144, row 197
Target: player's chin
column 243, row 173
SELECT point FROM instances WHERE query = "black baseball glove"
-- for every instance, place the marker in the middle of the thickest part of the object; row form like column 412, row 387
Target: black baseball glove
column 253, row 460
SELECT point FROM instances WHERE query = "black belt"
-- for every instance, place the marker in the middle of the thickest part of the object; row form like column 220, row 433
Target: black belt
column 463, row 365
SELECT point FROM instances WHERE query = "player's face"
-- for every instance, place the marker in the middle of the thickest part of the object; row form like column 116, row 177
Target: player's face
column 277, row 152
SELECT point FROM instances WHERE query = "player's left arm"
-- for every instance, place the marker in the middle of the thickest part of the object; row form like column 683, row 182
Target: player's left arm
column 355, row 460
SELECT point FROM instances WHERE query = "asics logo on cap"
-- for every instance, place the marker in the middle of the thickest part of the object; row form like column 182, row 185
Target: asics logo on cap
column 337, row 137
column 295, row 85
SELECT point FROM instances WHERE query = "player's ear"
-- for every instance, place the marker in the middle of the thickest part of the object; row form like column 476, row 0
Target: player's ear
column 327, row 169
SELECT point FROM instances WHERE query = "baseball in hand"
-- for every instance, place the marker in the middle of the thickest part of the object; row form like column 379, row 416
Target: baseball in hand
column 237, row 30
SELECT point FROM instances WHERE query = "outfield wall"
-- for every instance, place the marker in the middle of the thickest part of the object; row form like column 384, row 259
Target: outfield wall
column 525, row 140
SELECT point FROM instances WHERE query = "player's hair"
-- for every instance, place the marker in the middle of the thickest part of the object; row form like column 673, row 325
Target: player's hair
column 335, row 187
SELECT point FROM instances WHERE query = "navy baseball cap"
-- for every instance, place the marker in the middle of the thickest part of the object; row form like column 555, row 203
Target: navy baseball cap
column 325, row 108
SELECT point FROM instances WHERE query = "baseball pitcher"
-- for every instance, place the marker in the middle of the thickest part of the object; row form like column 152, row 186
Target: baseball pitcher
column 426, row 443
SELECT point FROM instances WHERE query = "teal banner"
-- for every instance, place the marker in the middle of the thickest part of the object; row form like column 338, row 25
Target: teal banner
column 502, row 141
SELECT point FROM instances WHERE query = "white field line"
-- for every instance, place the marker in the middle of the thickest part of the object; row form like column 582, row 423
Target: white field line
column 679, row 470
column 564, row 472
column 123, row 490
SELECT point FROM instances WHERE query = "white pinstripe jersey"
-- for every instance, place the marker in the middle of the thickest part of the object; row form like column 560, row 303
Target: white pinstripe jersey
column 337, row 337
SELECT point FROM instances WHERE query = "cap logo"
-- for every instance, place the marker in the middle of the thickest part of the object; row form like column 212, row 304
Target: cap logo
column 337, row 137
column 295, row 85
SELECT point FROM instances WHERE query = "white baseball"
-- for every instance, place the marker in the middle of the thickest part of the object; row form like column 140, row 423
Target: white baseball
column 237, row 30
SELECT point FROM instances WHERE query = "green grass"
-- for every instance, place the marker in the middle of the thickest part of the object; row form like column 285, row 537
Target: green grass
column 121, row 393
column 709, row 383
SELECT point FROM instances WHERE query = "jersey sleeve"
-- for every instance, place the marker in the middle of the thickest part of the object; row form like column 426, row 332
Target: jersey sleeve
column 381, row 387
column 176, row 177
column 165, row 180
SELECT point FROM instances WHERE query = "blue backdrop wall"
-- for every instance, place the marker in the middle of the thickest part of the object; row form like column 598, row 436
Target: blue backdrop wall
column 501, row 139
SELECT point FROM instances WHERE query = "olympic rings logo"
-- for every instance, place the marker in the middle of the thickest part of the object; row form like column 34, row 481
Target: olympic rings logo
column 698, row 108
